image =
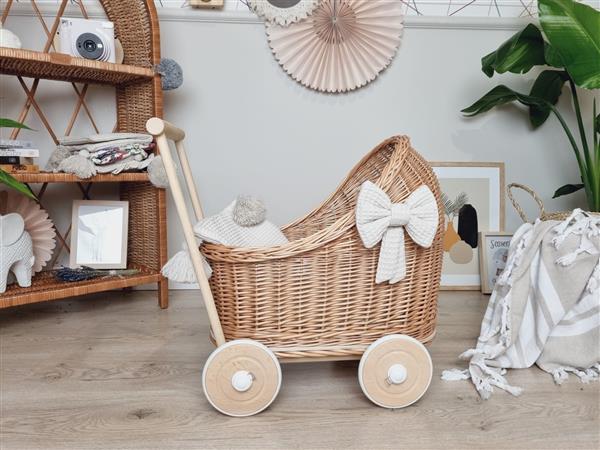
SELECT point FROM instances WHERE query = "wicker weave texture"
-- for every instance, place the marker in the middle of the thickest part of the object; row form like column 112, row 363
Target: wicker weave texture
column 316, row 296
column 57, row 66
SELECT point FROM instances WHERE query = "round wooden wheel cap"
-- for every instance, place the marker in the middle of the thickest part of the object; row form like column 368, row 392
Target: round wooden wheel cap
column 395, row 371
column 241, row 378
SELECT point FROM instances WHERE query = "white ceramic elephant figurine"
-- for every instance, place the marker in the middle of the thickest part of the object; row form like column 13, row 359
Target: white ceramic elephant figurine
column 16, row 251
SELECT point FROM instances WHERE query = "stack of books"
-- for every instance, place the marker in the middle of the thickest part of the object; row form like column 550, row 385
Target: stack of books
column 17, row 156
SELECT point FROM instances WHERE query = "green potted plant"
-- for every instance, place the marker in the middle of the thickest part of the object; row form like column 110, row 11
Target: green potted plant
column 569, row 44
column 5, row 177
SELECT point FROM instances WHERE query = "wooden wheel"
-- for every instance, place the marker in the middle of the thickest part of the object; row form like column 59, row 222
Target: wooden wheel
column 395, row 371
column 241, row 378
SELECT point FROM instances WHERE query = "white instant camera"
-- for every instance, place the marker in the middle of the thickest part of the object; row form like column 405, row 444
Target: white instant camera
column 90, row 39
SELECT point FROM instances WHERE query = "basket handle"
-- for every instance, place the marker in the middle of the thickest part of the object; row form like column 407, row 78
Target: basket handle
column 516, row 204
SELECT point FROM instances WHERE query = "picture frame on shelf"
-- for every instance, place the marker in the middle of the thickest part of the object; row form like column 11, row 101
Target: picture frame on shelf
column 99, row 234
column 474, row 202
column 493, row 255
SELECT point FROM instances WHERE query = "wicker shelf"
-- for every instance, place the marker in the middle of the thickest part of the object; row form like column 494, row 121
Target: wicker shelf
column 44, row 283
column 138, row 97
column 49, row 177
column 58, row 66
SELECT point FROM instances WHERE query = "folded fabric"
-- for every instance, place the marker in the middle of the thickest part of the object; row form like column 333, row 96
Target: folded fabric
column 102, row 137
column 242, row 224
column 224, row 230
column 130, row 163
column 102, row 153
column 545, row 308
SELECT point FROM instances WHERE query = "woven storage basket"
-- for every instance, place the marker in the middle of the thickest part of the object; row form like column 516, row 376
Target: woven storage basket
column 316, row 296
column 560, row 215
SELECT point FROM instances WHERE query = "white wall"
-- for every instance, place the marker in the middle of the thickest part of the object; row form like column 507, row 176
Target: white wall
column 252, row 129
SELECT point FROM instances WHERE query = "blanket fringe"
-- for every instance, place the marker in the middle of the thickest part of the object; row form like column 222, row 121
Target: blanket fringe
column 561, row 374
column 455, row 375
column 581, row 224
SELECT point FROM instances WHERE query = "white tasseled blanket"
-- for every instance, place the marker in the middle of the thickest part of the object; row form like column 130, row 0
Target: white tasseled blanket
column 545, row 308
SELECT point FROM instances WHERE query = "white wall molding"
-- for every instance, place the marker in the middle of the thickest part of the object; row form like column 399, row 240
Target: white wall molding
column 246, row 17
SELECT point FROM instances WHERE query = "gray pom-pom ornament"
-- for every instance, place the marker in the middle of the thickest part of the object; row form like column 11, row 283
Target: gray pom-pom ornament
column 249, row 211
column 157, row 173
column 58, row 155
column 170, row 72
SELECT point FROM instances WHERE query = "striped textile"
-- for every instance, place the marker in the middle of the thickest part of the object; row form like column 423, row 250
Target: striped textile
column 545, row 308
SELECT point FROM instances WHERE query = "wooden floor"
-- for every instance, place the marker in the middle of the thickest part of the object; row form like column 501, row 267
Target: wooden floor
column 115, row 372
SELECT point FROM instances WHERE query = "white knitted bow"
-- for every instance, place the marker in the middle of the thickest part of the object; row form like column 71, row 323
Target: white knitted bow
column 378, row 219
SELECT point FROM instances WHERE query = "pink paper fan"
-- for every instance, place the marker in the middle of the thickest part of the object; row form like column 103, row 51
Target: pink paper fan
column 37, row 224
column 342, row 46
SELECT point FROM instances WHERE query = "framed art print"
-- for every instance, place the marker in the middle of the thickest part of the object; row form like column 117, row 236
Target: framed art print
column 99, row 234
column 493, row 254
column 473, row 198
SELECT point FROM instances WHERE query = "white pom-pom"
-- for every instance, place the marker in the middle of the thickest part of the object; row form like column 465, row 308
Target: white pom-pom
column 249, row 211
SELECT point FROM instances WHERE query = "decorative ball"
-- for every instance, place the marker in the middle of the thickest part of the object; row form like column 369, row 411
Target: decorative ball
column 157, row 173
column 171, row 74
column 249, row 211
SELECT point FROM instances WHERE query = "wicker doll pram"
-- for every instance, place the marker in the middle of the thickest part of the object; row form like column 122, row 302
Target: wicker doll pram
column 315, row 298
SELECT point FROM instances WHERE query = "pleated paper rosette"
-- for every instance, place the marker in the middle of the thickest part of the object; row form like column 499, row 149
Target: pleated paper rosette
column 37, row 224
column 342, row 46
column 283, row 12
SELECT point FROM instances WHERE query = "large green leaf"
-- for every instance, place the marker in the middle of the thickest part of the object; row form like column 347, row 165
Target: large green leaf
column 9, row 123
column 552, row 56
column 573, row 30
column 518, row 54
column 11, row 182
column 547, row 86
column 501, row 95
column 567, row 189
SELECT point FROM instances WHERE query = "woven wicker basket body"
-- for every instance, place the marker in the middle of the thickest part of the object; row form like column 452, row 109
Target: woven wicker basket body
column 316, row 296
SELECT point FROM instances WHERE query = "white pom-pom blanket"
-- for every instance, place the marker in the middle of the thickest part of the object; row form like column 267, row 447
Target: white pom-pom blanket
column 545, row 308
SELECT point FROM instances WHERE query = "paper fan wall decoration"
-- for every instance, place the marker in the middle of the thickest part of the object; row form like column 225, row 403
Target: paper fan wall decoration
column 342, row 46
column 37, row 224
column 283, row 12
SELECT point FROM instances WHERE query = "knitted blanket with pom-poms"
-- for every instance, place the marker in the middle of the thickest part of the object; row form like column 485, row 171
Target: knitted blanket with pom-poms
column 545, row 308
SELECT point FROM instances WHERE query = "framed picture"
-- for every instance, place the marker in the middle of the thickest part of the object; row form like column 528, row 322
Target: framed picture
column 99, row 234
column 473, row 197
column 493, row 254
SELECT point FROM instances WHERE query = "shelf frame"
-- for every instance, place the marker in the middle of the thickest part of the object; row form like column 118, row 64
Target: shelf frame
column 138, row 98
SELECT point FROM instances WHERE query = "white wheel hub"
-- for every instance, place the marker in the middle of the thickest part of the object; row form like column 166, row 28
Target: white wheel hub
column 242, row 380
column 397, row 374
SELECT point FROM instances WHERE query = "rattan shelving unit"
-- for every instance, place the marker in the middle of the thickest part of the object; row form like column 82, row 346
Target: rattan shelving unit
column 138, row 97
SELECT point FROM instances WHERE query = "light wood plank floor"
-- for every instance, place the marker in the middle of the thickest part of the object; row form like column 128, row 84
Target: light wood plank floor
column 115, row 372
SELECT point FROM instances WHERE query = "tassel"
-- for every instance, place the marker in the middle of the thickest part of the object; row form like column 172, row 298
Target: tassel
column 561, row 374
column 181, row 270
column 455, row 375
column 78, row 165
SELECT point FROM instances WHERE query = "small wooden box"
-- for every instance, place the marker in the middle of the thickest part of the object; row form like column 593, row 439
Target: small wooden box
column 214, row 4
